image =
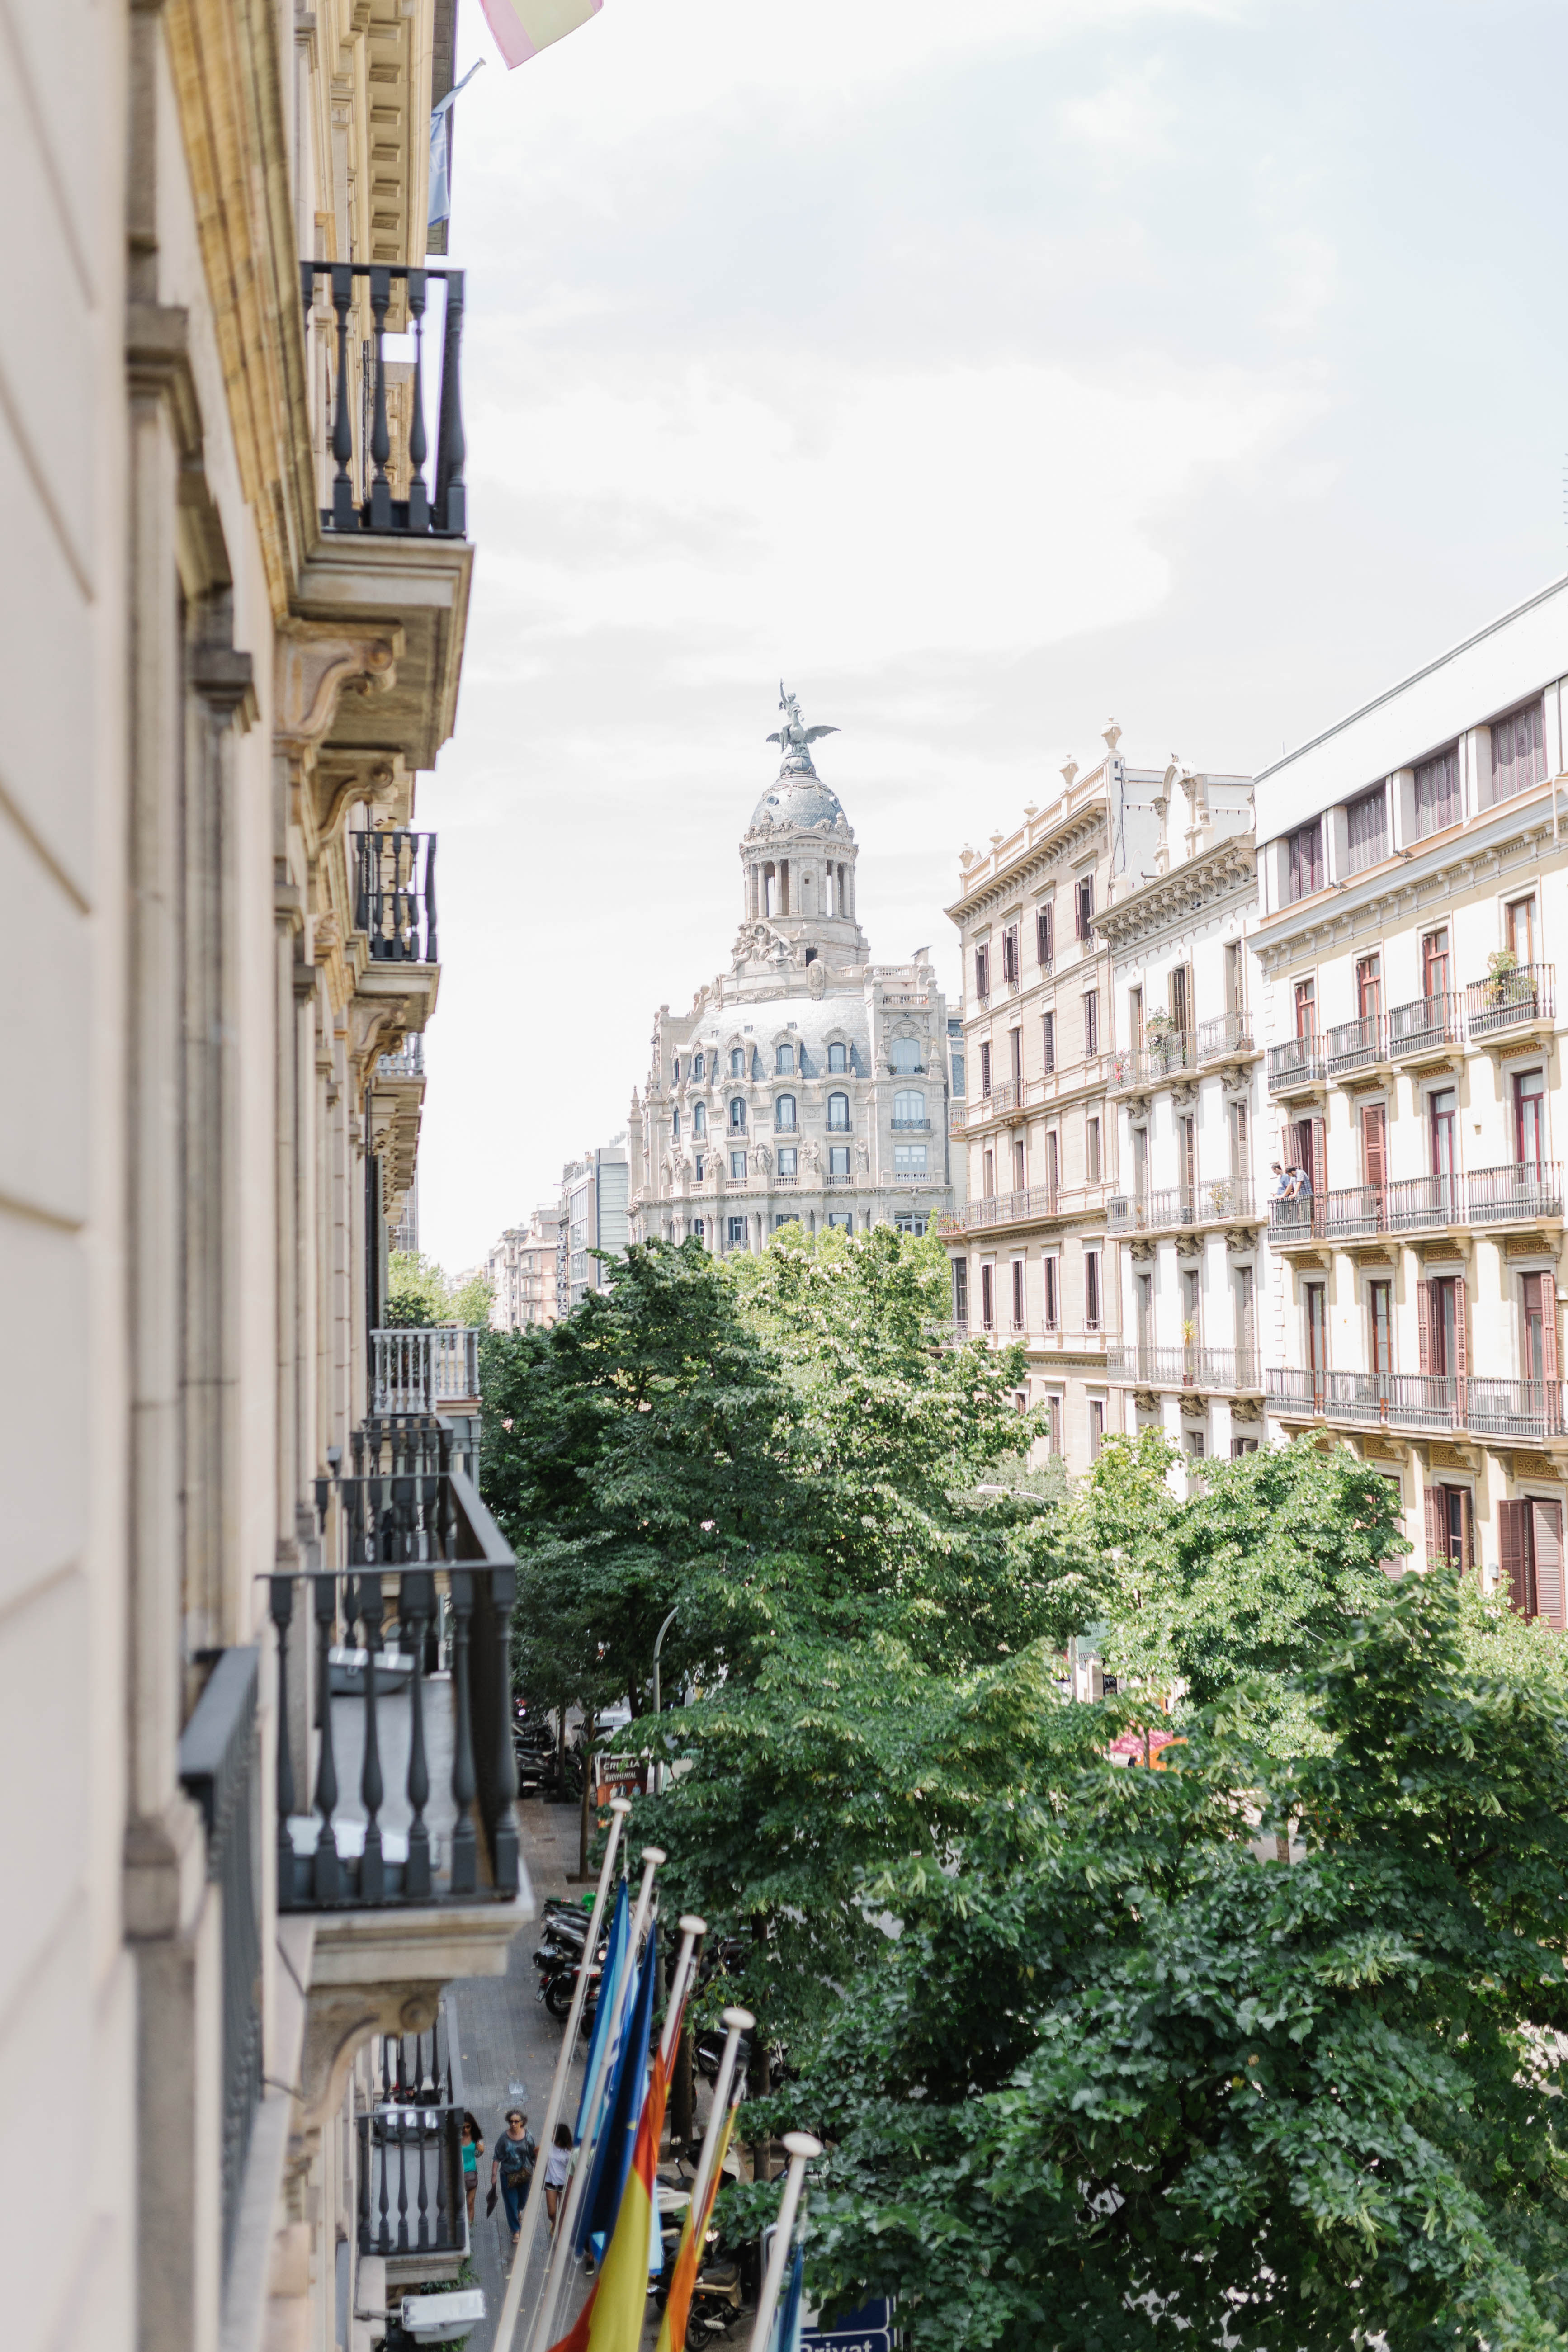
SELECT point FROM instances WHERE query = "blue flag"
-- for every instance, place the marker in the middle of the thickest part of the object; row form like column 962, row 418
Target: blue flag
column 786, row 2330
column 622, row 2112
column 610, row 1975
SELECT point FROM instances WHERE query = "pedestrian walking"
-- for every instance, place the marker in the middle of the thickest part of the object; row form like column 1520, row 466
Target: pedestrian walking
column 511, row 2165
column 473, row 2149
column 557, row 2171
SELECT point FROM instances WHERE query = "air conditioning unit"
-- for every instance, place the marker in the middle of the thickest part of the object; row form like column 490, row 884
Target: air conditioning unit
column 1118, row 1210
column 437, row 2318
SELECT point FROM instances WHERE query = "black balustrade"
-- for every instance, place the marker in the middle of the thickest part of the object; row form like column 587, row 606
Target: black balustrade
column 412, row 2199
column 421, row 1564
column 1521, row 998
column 218, row 1763
column 368, row 504
column 395, row 901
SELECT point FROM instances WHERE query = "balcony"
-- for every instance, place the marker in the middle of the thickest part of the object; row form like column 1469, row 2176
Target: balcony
column 395, row 905
column 362, row 491
column 1523, row 1194
column 1226, row 1199
column 1228, row 1038
column 1036, row 1205
column 1355, row 1045
column 1521, row 1412
column 1510, row 1001
column 1428, row 1024
column 1222, row 1370
column 957, row 1118
column 911, row 1126
column 420, row 1370
column 413, row 2207
column 396, row 1785
column 408, row 1062
column 1153, row 1063
column 1002, row 1098
column 1295, row 1065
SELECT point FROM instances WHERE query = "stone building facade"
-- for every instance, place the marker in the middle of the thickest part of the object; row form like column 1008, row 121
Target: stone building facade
column 1032, row 1256
column 806, row 1083
column 233, row 650
column 1413, row 872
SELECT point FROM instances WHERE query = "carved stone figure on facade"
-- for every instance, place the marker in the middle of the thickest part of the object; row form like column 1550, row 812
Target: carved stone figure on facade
column 862, row 1157
column 810, row 1154
column 816, row 977
column 764, row 1158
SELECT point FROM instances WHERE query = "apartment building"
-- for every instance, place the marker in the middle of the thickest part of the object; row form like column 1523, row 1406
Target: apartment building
column 521, row 1269
column 235, row 581
column 1412, row 877
column 1187, row 1238
column 1034, row 1120
column 594, row 1214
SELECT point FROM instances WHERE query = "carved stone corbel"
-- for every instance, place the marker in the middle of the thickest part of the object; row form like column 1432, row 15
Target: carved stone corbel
column 1142, row 1252
column 1245, row 1409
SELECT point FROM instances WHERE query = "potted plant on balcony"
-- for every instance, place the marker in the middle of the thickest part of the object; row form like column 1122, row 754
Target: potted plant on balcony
column 1501, row 965
column 1159, row 1031
column 1189, row 1349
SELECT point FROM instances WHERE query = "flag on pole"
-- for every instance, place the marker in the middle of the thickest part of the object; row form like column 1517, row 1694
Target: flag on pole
column 689, row 2258
column 439, row 207
column 786, row 2337
column 618, row 2132
column 612, row 2318
column 610, row 1977
column 523, row 28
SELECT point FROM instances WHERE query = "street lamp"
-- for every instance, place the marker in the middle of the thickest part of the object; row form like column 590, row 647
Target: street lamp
column 657, row 1648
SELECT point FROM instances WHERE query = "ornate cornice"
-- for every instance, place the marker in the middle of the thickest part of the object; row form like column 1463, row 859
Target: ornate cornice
column 1060, row 849
column 1171, row 900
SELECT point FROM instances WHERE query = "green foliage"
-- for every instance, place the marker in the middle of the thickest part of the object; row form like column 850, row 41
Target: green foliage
column 419, row 1294
column 1120, row 2083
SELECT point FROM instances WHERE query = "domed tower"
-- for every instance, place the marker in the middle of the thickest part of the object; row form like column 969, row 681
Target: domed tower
column 798, row 860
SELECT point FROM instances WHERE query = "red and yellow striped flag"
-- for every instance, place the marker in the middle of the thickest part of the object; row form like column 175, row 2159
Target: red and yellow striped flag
column 612, row 2319
column 688, row 2260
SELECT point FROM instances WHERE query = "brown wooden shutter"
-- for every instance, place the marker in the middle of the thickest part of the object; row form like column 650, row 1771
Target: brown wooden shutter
column 1424, row 1325
column 1461, row 1363
column 1374, row 1144
column 1436, row 1524
column 1548, row 1326
column 1513, row 1535
column 1546, row 1531
column 1318, row 1162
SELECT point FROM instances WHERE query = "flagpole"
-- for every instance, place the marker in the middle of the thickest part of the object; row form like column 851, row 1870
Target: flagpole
column 737, row 2022
column 691, row 1929
column 562, row 2257
column 800, row 2148
column 522, row 2254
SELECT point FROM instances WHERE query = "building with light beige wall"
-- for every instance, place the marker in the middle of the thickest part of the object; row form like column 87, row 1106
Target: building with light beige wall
column 236, row 585
column 522, row 1267
column 1413, row 876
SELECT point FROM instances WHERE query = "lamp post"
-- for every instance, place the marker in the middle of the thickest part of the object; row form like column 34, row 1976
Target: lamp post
column 657, row 1648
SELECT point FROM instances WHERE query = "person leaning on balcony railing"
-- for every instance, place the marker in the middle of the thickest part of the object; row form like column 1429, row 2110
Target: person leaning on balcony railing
column 1282, row 1182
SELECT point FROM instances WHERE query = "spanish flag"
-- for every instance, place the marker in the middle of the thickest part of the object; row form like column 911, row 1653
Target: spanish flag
column 688, row 2260
column 523, row 28
column 612, row 2319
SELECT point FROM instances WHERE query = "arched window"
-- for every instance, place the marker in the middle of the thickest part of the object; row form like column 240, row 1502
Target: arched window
column 784, row 1061
column 675, row 1080
column 698, row 1119
column 838, row 1114
column 737, row 1061
column 909, row 1108
column 906, row 1056
column 737, row 1117
column 784, row 1114
column 837, row 1058
column 698, row 1067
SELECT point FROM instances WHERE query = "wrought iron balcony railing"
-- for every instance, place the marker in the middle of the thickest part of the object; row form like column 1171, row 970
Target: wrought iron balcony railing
column 1510, row 1000
column 1424, row 1025
column 1299, row 1061
column 911, row 1126
column 1226, row 1370
column 1355, row 1045
column 425, row 1809
column 363, row 496
column 1218, row 1200
column 419, row 1370
column 396, row 902
column 1522, row 1412
column 1516, row 1193
column 1230, row 1034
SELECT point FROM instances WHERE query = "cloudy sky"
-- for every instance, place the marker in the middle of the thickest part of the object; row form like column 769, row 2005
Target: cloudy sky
column 989, row 368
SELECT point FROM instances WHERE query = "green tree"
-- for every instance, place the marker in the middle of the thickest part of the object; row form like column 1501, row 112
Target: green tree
column 1118, row 2081
column 469, row 1303
column 416, row 1291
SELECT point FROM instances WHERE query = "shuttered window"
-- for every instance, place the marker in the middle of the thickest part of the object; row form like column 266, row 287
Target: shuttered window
column 1546, row 1527
column 1375, row 1143
column 1530, row 1535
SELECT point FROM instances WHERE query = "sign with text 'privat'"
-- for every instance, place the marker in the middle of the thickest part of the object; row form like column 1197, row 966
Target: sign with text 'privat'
column 869, row 2329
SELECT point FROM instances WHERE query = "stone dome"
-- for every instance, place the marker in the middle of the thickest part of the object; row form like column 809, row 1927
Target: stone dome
column 799, row 798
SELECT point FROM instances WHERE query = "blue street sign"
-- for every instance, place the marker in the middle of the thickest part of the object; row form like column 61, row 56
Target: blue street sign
column 869, row 2329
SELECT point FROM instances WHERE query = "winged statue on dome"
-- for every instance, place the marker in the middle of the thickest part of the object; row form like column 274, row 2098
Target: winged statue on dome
column 793, row 739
